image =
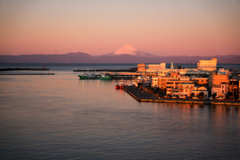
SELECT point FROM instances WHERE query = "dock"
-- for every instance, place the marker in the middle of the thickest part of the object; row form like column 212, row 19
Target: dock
column 143, row 96
column 106, row 70
column 140, row 95
column 121, row 75
column 116, row 74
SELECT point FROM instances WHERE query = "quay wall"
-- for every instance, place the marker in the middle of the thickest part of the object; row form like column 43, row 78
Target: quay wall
column 143, row 96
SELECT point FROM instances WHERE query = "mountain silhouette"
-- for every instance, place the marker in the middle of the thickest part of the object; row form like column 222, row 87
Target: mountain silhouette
column 125, row 54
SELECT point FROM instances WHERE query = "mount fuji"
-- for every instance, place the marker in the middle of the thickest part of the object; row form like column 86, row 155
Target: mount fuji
column 127, row 49
column 130, row 50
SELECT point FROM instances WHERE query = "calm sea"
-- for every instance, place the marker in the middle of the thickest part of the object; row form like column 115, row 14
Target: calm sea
column 61, row 117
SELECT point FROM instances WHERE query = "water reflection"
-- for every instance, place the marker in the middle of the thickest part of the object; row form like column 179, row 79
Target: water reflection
column 62, row 115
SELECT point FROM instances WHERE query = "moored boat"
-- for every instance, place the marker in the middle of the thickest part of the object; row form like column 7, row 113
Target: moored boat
column 88, row 76
column 136, row 81
column 117, row 86
column 121, row 84
column 105, row 76
column 141, row 80
column 147, row 80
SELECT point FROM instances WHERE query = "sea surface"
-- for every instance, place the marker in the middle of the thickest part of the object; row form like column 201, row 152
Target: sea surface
column 61, row 117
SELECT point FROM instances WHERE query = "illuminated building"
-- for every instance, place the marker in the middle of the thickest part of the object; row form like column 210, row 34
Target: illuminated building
column 198, row 89
column 217, row 79
column 200, row 80
column 209, row 65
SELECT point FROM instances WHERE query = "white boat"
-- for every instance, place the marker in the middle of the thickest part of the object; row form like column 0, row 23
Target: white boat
column 105, row 76
column 147, row 80
column 88, row 75
column 141, row 80
column 136, row 81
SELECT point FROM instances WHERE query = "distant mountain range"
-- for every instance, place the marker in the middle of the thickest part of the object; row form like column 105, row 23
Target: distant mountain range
column 125, row 54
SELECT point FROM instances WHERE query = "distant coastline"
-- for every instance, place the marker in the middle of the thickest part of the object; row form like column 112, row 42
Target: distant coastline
column 80, row 57
column 94, row 66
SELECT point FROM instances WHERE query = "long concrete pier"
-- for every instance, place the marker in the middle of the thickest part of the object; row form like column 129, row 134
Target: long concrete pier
column 143, row 96
column 28, row 74
column 123, row 75
column 105, row 70
column 24, row 69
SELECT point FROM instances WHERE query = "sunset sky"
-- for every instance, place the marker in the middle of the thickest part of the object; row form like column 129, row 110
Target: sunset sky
column 97, row 27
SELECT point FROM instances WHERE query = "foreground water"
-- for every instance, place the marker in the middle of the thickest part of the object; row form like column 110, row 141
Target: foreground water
column 61, row 117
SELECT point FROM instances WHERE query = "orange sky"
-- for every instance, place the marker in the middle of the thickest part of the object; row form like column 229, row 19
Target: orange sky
column 160, row 27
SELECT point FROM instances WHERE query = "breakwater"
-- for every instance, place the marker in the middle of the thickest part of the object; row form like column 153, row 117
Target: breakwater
column 143, row 96
column 28, row 74
column 121, row 75
column 105, row 70
column 24, row 69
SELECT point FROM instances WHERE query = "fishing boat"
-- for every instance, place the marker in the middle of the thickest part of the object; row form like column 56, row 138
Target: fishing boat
column 88, row 76
column 147, row 80
column 141, row 80
column 117, row 86
column 136, row 81
column 105, row 76
column 121, row 84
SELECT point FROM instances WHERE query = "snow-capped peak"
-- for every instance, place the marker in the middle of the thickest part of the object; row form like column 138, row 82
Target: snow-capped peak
column 127, row 49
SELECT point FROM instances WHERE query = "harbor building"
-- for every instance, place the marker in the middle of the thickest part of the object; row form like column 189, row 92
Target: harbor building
column 216, row 79
column 203, row 67
column 150, row 67
column 222, row 71
column 218, row 83
column 234, row 85
column 171, row 82
column 185, row 89
column 209, row 65
column 198, row 89
column 205, row 78
column 236, row 74
column 220, row 90
column 200, row 80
